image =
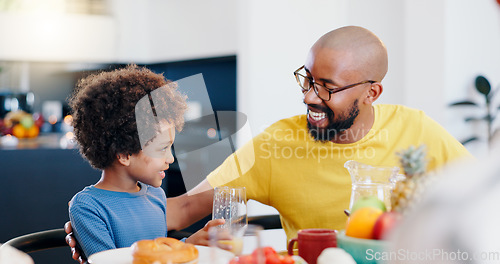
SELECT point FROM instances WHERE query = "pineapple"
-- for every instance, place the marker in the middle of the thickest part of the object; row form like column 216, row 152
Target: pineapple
column 407, row 191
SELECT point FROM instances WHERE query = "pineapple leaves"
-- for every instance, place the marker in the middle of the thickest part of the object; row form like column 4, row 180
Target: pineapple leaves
column 413, row 160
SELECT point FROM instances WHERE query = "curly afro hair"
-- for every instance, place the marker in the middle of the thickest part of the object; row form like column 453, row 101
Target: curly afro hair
column 103, row 110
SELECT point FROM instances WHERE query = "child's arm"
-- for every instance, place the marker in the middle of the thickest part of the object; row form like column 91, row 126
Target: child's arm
column 201, row 237
column 90, row 230
column 187, row 209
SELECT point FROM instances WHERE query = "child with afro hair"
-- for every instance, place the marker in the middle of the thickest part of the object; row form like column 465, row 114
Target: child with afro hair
column 124, row 122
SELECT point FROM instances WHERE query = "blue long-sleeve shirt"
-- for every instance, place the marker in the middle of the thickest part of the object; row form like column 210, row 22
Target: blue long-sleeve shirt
column 105, row 219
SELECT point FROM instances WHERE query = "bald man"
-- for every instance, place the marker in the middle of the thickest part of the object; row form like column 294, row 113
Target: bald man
column 298, row 162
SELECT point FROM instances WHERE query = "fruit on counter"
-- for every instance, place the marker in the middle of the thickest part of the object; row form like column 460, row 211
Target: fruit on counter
column 14, row 117
column 20, row 131
column 368, row 201
column 21, row 124
column 38, row 119
column 268, row 253
column 27, row 121
column 360, row 223
column 384, row 224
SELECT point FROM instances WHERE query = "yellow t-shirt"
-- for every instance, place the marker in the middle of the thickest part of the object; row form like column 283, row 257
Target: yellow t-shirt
column 305, row 180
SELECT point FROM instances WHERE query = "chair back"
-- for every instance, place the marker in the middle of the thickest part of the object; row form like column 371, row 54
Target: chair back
column 39, row 241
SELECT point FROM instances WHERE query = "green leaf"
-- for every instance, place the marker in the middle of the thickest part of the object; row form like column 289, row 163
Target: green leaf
column 489, row 118
column 482, row 85
column 471, row 139
column 463, row 103
column 469, row 119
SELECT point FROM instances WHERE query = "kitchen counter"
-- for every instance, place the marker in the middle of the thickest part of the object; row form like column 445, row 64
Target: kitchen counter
column 43, row 141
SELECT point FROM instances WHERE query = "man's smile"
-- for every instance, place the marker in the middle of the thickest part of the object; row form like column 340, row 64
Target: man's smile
column 316, row 116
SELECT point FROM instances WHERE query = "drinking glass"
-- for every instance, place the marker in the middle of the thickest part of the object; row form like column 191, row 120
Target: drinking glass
column 230, row 204
column 243, row 241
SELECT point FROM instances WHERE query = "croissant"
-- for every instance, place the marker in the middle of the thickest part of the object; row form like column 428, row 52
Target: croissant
column 164, row 250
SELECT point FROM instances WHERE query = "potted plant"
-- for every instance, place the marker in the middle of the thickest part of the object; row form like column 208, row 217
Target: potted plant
column 483, row 87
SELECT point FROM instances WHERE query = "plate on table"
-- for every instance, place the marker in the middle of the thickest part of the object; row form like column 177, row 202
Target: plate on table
column 124, row 256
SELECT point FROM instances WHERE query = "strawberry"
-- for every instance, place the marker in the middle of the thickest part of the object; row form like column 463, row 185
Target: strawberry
column 287, row 260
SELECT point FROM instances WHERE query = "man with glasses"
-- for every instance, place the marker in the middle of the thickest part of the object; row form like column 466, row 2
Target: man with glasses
column 298, row 162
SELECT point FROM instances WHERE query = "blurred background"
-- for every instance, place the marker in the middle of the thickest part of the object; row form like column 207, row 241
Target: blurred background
column 246, row 51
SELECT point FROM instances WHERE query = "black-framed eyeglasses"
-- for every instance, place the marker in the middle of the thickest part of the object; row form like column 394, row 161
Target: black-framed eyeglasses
column 324, row 93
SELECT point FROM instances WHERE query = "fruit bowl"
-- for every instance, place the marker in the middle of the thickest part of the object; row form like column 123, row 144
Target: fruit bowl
column 362, row 250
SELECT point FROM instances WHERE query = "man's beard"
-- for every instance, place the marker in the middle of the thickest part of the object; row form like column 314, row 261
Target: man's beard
column 334, row 128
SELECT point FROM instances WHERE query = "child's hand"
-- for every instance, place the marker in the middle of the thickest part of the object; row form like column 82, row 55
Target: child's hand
column 71, row 241
column 201, row 237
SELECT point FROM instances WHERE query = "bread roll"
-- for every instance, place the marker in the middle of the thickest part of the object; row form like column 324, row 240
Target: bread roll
column 164, row 250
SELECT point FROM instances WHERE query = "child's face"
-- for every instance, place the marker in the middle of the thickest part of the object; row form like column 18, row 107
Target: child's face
column 150, row 163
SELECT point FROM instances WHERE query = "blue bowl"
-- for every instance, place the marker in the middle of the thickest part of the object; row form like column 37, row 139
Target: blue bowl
column 363, row 250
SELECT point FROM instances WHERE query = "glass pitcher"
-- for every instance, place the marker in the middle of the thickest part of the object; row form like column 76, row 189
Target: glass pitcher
column 371, row 181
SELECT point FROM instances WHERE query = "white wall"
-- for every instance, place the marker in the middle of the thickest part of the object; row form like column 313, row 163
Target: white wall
column 145, row 31
column 132, row 30
column 424, row 64
column 158, row 30
column 56, row 37
column 472, row 48
column 436, row 49
column 385, row 18
column 274, row 39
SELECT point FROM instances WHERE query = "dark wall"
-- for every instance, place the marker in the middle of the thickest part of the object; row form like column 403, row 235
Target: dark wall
column 37, row 185
column 219, row 75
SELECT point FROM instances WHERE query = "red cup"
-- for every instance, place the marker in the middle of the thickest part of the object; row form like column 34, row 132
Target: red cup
column 312, row 242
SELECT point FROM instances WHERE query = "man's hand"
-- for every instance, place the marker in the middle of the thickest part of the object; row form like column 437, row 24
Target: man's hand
column 201, row 237
column 71, row 241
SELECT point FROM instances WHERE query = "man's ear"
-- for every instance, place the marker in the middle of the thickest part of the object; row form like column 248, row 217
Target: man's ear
column 374, row 92
column 123, row 159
